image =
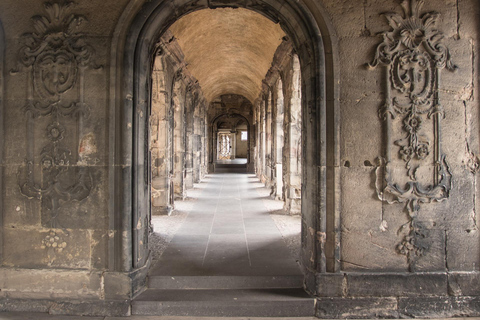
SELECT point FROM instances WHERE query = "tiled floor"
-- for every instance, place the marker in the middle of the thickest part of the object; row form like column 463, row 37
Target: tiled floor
column 227, row 232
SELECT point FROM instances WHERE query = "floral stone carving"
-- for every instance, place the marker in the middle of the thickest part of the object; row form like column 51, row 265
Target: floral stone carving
column 413, row 54
column 54, row 242
column 55, row 58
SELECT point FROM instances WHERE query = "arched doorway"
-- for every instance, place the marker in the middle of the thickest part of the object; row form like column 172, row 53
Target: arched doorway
column 137, row 33
column 225, row 135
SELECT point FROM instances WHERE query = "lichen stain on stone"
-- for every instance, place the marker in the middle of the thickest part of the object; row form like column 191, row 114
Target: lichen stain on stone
column 88, row 145
column 321, row 237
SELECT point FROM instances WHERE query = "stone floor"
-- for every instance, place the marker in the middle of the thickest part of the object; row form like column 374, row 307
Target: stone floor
column 229, row 230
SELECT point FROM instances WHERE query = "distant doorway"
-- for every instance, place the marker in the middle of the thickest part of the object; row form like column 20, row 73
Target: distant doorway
column 225, row 151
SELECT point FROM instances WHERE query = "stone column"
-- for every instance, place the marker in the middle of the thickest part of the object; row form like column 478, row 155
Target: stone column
column 189, row 137
column 233, row 145
column 278, row 142
column 179, row 139
column 293, row 145
column 159, row 144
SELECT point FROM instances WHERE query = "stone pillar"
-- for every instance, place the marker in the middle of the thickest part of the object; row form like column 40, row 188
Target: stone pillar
column 159, row 144
column 233, row 145
column 262, row 142
column 189, row 137
column 293, row 145
column 268, row 140
column 179, row 139
column 278, row 142
column 204, row 137
column 197, row 146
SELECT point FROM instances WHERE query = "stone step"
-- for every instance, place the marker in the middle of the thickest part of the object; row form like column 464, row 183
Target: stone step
column 225, row 282
column 225, row 303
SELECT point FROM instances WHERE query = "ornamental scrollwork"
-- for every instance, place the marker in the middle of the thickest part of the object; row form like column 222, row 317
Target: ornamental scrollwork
column 413, row 53
column 55, row 58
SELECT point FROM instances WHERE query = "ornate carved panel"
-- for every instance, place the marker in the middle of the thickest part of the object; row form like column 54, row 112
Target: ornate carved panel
column 54, row 58
column 413, row 169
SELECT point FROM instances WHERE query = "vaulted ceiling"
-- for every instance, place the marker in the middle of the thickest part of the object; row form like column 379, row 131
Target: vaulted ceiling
column 228, row 51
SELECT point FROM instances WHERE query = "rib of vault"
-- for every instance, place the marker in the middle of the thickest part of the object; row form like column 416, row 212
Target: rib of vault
column 228, row 51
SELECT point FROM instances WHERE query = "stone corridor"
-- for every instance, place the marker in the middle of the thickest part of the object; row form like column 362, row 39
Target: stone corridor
column 154, row 153
column 228, row 258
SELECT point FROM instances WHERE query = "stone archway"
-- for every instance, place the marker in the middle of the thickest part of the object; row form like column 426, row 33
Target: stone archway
column 213, row 143
column 138, row 30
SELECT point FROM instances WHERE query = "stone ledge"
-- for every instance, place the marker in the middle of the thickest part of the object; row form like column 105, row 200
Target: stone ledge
column 418, row 307
column 17, row 283
column 356, row 308
column 464, row 284
column 125, row 285
column 439, row 307
column 398, row 284
column 70, row 307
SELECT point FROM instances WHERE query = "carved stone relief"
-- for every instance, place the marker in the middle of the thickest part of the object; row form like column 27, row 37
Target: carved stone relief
column 413, row 54
column 55, row 58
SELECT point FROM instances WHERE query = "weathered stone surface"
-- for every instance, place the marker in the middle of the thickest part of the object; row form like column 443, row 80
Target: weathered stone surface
column 362, row 84
column 49, row 284
column 27, row 248
column 462, row 253
column 27, row 305
column 91, row 308
column 440, row 307
column 117, row 286
column 331, row 285
column 396, row 285
column 356, row 308
column 463, row 284
column 99, row 249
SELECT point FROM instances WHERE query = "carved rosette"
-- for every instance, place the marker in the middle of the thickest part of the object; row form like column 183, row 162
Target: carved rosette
column 54, row 241
column 55, row 58
column 413, row 54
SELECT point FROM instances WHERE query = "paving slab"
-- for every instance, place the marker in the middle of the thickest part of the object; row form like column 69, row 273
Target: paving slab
column 228, row 231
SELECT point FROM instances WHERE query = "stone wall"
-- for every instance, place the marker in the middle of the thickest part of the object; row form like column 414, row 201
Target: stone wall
column 408, row 177
column 55, row 214
column 394, row 226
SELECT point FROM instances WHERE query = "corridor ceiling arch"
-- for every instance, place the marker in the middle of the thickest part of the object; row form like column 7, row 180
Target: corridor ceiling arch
column 140, row 27
column 228, row 50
